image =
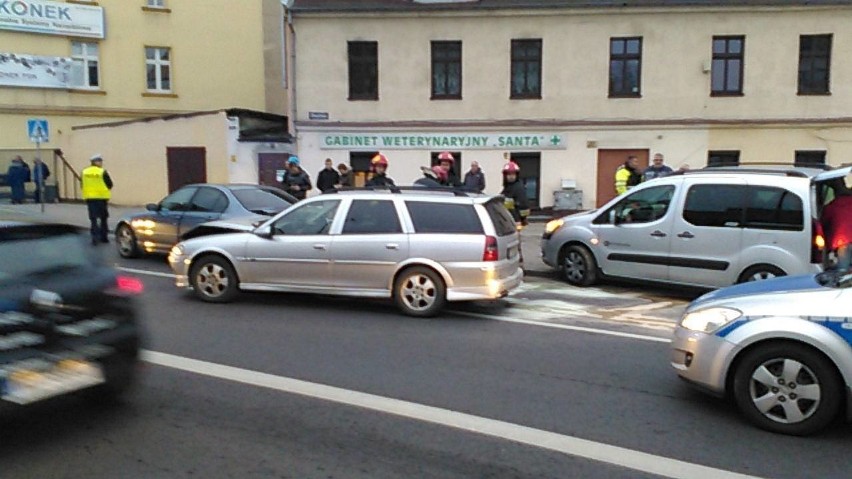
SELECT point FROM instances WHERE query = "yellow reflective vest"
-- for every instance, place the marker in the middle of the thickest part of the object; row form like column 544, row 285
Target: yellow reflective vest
column 622, row 174
column 93, row 184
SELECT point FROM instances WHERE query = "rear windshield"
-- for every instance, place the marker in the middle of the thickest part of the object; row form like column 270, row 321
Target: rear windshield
column 500, row 216
column 259, row 201
column 33, row 252
column 444, row 218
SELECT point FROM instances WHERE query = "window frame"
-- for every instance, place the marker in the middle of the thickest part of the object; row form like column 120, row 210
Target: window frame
column 158, row 63
column 446, row 62
column 384, row 204
column 742, row 192
column 155, row 3
column 711, row 154
column 624, row 58
column 810, row 91
column 749, row 221
column 520, row 58
column 809, row 154
column 86, row 60
column 727, row 57
column 300, row 209
column 472, row 225
column 372, row 62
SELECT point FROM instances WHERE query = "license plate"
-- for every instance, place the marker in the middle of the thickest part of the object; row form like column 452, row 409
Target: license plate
column 25, row 386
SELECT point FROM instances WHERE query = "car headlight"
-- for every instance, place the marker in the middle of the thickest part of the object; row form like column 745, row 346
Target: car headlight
column 552, row 226
column 709, row 320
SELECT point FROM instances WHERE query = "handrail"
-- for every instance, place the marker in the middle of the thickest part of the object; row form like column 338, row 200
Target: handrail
column 75, row 177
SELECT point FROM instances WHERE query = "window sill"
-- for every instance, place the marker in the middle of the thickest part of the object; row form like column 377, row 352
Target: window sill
column 525, row 97
column 813, row 93
column 726, row 93
column 156, row 94
column 92, row 3
column 354, row 98
column 445, row 97
column 156, row 9
column 625, row 95
column 87, row 91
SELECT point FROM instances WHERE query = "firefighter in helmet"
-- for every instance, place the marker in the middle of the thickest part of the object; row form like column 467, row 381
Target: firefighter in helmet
column 379, row 166
column 446, row 161
column 515, row 194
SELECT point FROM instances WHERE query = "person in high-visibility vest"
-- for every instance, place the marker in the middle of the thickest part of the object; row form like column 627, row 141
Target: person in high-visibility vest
column 96, row 185
column 627, row 175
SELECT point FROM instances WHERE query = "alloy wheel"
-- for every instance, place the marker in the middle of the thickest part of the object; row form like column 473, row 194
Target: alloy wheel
column 419, row 292
column 575, row 266
column 212, row 280
column 785, row 390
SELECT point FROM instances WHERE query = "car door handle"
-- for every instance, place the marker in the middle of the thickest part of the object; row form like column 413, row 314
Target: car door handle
column 319, row 246
column 658, row 234
column 392, row 246
column 686, row 234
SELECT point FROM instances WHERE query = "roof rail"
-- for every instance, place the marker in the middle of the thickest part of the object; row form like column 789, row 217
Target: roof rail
column 403, row 189
column 726, row 169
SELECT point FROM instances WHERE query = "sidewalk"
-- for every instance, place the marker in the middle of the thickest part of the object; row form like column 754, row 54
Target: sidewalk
column 75, row 214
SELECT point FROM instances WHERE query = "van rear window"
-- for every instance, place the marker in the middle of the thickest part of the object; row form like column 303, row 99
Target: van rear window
column 500, row 216
column 455, row 218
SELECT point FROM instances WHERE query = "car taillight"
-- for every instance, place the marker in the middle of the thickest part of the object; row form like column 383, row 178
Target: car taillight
column 490, row 253
column 817, row 244
column 126, row 286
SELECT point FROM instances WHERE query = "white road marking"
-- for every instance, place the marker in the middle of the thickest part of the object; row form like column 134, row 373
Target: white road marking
column 145, row 272
column 574, row 446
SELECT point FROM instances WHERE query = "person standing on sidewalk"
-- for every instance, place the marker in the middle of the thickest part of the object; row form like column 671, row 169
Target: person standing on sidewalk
column 328, row 177
column 16, row 176
column 627, row 175
column 474, row 180
column 345, row 179
column 40, row 175
column 96, row 186
column 658, row 169
column 296, row 181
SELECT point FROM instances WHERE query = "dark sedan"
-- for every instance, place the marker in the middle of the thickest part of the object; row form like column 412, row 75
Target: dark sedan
column 67, row 322
column 164, row 223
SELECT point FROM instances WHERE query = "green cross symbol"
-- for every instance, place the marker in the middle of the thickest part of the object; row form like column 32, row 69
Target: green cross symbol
column 555, row 140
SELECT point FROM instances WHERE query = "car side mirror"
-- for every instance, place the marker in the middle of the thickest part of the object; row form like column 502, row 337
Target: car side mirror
column 264, row 232
column 152, row 207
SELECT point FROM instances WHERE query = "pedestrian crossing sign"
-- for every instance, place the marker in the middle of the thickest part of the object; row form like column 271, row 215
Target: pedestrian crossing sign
column 37, row 130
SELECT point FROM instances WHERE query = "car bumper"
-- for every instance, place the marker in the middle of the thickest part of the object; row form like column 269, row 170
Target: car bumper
column 491, row 288
column 549, row 253
column 180, row 266
column 702, row 359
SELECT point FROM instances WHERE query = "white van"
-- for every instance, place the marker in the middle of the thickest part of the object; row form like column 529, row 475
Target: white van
column 708, row 228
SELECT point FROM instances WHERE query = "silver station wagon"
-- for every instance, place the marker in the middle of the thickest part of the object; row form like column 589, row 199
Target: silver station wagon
column 420, row 247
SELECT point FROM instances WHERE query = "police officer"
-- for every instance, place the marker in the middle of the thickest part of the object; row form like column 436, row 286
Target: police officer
column 380, row 179
column 96, row 185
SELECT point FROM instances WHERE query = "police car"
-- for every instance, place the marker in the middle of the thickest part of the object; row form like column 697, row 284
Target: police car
column 782, row 348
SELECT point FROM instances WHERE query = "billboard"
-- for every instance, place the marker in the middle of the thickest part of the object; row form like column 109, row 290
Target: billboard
column 52, row 18
column 34, row 71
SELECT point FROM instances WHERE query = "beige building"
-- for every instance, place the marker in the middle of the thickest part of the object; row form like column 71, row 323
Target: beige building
column 76, row 63
column 570, row 88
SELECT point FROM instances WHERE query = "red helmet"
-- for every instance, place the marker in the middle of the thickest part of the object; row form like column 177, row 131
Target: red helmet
column 511, row 167
column 440, row 173
column 379, row 160
column 446, row 156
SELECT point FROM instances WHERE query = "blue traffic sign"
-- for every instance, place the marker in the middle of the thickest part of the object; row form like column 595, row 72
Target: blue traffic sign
column 37, row 130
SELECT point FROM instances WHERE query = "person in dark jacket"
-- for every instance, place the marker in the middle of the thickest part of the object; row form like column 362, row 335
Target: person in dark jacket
column 515, row 194
column 474, row 180
column 328, row 177
column 296, row 181
column 432, row 177
column 40, row 175
column 16, row 176
column 379, row 165
column 345, row 179
column 658, row 169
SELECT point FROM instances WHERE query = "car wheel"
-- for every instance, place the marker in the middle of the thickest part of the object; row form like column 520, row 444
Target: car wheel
column 213, row 279
column 788, row 389
column 420, row 292
column 761, row 272
column 579, row 266
column 126, row 241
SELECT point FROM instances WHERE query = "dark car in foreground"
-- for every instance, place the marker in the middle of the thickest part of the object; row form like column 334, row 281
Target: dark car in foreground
column 163, row 224
column 67, row 322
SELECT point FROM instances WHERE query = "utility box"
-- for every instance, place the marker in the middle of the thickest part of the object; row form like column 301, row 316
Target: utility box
column 569, row 198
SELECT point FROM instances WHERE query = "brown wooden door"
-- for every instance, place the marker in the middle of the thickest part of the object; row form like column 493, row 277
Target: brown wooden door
column 608, row 162
column 186, row 165
column 271, row 168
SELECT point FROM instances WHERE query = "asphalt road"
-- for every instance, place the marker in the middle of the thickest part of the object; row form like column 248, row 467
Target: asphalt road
column 588, row 365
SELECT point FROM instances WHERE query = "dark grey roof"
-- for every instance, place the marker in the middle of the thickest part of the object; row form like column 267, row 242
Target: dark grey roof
column 318, row 6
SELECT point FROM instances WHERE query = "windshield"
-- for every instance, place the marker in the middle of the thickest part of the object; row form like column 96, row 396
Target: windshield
column 261, row 201
column 32, row 254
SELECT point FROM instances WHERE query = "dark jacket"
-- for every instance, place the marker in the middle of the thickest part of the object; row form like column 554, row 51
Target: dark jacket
column 40, row 172
column 300, row 179
column 326, row 179
column 346, row 179
column 453, row 180
column 474, row 181
column 380, row 181
column 428, row 182
column 653, row 172
column 516, row 200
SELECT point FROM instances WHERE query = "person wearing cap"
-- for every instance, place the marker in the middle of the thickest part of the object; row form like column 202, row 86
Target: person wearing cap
column 379, row 165
column 96, row 185
column 446, row 161
column 296, row 181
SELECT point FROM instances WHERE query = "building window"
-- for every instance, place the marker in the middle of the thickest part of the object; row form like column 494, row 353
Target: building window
column 363, row 70
column 157, row 3
column 85, row 65
column 723, row 158
column 446, row 70
column 625, row 67
column 158, row 65
column 810, row 158
column 814, row 64
column 727, row 71
column 526, row 69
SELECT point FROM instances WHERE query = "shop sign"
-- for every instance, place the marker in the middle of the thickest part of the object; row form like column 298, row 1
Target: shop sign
column 442, row 141
column 52, row 18
column 34, row 71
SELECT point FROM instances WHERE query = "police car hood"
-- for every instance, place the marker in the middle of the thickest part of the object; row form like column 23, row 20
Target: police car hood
column 775, row 286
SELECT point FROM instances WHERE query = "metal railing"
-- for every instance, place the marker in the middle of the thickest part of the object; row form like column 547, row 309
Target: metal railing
column 66, row 177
